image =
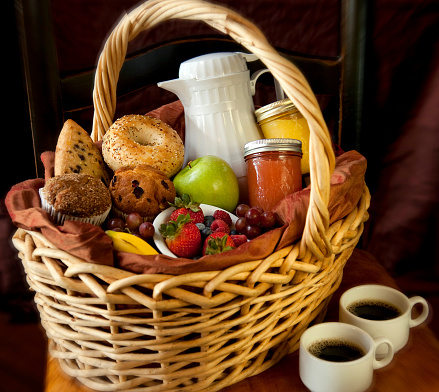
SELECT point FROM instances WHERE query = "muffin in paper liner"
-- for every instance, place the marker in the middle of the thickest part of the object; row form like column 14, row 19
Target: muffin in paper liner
column 84, row 196
column 59, row 218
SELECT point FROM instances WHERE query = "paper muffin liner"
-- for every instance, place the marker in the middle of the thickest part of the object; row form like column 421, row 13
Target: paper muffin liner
column 59, row 218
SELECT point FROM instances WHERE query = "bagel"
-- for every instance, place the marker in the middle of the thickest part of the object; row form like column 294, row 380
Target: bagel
column 136, row 139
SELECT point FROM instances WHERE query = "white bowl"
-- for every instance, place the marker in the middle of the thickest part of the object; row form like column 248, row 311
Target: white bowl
column 164, row 216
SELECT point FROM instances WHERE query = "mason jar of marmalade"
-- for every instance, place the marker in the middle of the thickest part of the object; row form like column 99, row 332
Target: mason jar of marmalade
column 273, row 170
column 281, row 119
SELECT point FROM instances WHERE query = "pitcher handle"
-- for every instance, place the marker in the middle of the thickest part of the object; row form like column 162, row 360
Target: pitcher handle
column 278, row 88
column 249, row 57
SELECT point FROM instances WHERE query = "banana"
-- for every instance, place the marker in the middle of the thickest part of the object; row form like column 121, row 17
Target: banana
column 124, row 246
column 127, row 242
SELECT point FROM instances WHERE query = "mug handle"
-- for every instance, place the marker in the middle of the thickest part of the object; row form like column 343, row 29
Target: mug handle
column 377, row 364
column 425, row 310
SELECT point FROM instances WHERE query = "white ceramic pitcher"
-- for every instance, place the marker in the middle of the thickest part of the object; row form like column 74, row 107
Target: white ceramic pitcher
column 216, row 92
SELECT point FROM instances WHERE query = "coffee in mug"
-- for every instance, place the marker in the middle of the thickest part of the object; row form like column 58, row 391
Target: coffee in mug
column 371, row 309
column 339, row 357
column 382, row 311
column 336, row 350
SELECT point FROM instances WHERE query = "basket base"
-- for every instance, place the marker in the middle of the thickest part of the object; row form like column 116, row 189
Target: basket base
column 82, row 380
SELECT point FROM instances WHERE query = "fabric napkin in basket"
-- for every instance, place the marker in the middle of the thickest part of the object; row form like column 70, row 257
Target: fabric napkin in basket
column 91, row 244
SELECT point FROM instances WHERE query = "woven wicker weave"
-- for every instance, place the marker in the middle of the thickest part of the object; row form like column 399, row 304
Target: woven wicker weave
column 117, row 331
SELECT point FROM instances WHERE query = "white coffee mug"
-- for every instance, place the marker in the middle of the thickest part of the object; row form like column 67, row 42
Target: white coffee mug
column 396, row 329
column 321, row 375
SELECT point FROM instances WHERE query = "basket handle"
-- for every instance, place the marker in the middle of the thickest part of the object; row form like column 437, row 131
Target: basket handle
column 294, row 84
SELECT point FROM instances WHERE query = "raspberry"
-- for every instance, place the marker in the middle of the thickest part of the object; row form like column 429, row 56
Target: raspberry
column 218, row 225
column 239, row 239
column 224, row 216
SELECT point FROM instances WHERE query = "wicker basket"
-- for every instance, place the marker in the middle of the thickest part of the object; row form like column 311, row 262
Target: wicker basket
column 117, row 331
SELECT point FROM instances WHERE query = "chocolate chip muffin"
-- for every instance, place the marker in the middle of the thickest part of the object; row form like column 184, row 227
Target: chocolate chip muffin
column 76, row 196
column 142, row 189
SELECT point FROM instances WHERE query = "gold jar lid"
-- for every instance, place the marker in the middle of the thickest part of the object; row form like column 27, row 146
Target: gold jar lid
column 284, row 105
column 278, row 144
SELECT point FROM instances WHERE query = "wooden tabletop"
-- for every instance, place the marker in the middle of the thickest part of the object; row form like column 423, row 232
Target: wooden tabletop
column 414, row 368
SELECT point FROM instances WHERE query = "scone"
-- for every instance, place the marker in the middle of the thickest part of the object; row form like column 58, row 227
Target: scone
column 76, row 153
column 142, row 189
column 79, row 197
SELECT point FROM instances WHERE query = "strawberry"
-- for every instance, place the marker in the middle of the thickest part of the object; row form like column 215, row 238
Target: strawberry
column 219, row 225
column 239, row 239
column 185, row 205
column 177, row 212
column 182, row 236
column 224, row 216
column 217, row 243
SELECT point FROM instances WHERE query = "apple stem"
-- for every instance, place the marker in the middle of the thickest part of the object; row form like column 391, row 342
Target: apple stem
column 189, row 164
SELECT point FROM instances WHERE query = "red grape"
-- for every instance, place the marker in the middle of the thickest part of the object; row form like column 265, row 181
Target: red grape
column 252, row 231
column 241, row 210
column 116, row 223
column 268, row 219
column 240, row 224
column 134, row 220
column 253, row 215
column 146, row 230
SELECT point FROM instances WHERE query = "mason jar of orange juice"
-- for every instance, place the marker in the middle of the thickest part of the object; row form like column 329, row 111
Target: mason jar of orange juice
column 281, row 119
column 273, row 170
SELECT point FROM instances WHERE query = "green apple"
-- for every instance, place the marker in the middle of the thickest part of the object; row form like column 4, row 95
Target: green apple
column 209, row 180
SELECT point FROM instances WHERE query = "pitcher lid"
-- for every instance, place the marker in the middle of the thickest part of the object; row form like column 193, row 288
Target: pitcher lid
column 212, row 65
